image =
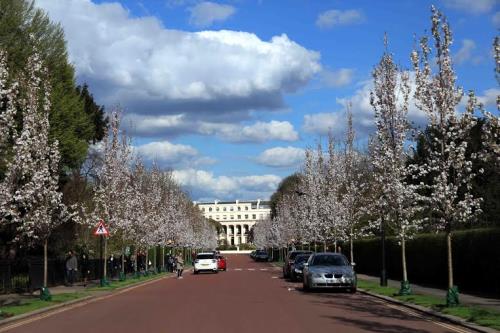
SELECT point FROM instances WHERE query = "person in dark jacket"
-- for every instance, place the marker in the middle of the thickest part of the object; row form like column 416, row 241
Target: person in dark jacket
column 71, row 267
column 85, row 268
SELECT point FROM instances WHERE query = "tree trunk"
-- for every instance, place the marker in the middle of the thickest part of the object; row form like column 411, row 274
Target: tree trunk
column 403, row 258
column 163, row 258
column 324, row 246
column 147, row 260
column 335, row 246
column 45, row 263
column 123, row 259
column 450, row 259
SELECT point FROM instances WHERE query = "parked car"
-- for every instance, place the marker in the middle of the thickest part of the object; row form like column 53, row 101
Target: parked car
column 221, row 263
column 261, row 255
column 205, row 262
column 252, row 254
column 329, row 270
column 298, row 266
column 287, row 267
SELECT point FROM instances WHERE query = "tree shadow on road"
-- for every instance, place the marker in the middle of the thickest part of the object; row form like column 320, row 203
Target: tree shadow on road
column 361, row 304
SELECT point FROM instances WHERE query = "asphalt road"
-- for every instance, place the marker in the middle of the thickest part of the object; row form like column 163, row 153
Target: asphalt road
column 249, row 297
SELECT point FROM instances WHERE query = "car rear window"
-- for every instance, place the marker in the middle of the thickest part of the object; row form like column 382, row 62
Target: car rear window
column 329, row 260
column 205, row 256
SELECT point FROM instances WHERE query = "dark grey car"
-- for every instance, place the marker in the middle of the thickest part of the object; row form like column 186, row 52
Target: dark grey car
column 298, row 266
column 329, row 270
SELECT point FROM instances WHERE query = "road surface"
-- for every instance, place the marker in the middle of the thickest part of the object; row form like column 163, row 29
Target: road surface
column 250, row 297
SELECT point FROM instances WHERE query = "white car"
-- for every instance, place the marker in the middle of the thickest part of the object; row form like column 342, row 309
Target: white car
column 205, row 262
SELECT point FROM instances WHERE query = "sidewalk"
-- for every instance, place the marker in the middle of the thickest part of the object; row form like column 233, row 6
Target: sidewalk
column 465, row 299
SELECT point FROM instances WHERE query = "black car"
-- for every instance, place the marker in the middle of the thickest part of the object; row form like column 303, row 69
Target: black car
column 287, row 267
column 261, row 255
column 298, row 266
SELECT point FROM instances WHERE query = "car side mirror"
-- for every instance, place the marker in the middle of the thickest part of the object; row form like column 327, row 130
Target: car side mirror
column 353, row 264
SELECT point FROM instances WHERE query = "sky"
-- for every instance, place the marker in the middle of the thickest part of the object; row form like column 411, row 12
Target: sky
column 228, row 94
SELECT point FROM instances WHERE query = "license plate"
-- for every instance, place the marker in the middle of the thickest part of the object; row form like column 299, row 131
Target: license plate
column 204, row 264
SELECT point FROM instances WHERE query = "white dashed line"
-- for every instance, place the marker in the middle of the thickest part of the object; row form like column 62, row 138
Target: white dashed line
column 251, row 269
column 238, row 269
column 263, row 269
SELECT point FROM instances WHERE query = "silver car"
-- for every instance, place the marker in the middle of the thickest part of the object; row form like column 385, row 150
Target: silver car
column 329, row 270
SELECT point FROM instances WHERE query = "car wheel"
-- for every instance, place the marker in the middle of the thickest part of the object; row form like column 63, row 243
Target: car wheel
column 195, row 272
column 293, row 277
column 353, row 290
column 216, row 271
column 225, row 269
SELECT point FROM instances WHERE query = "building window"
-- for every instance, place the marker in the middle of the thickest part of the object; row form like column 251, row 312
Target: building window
column 232, row 217
column 239, row 217
column 246, row 216
column 224, row 209
column 203, row 209
column 254, row 216
column 246, row 207
column 209, row 216
column 232, row 208
column 239, row 208
column 216, row 217
column 210, row 209
column 224, row 217
column 217, row 209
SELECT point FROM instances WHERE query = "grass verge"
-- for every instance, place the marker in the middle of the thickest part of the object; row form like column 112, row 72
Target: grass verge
column 129, row 281
column 33, row 304
column 473, row 314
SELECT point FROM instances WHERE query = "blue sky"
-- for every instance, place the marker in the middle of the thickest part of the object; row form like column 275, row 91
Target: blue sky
column 229, row 93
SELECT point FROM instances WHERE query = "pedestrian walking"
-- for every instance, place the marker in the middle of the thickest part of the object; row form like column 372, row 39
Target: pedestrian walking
column 85, row 268
column 71, row 268
column 170, row 262
column 180, row 266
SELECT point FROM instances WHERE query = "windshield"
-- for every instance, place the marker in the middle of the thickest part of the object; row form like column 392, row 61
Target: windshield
column 205, row 256
column 329, row 260
column 302, row 258
column 261, row 252
column 294, row 254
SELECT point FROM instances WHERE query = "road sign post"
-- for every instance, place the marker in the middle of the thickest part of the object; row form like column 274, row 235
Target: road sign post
column 102, row 232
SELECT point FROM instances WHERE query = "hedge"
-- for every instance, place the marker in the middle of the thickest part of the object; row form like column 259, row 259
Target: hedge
column 476, row 260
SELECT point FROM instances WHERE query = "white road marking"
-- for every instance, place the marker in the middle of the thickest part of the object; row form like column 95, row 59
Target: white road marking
column 238, row 269
column 263, row 269
column 274, row 277
column 251, row 269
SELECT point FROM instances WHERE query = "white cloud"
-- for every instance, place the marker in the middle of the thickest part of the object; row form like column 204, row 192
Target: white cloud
column 281, row 156
column 337, row 78
column 475, row 6
column 258, row 132
column 169, row 154
column 173, row 125
column 203, row 184
column 334, row 17
column 466, row 53
column 152, row 70
column 489, row 97
column 496, row 20
column 335, row 122
column 206, row 13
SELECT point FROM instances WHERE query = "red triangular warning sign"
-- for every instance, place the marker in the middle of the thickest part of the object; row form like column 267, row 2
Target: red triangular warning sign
column 101, row 230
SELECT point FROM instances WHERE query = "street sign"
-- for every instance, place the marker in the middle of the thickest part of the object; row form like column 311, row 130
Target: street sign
column 101, row 230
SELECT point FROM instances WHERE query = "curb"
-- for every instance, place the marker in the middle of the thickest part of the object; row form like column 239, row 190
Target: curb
column 10, row 320
column 448, row 318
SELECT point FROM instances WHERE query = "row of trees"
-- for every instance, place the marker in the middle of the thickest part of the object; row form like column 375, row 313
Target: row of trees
column 346, row 193
column 142, row 207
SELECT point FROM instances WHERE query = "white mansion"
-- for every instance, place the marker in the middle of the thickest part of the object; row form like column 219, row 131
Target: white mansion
column 236, row 217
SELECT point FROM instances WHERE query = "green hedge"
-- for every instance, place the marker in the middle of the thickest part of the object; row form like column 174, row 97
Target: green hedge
column 476, row 260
